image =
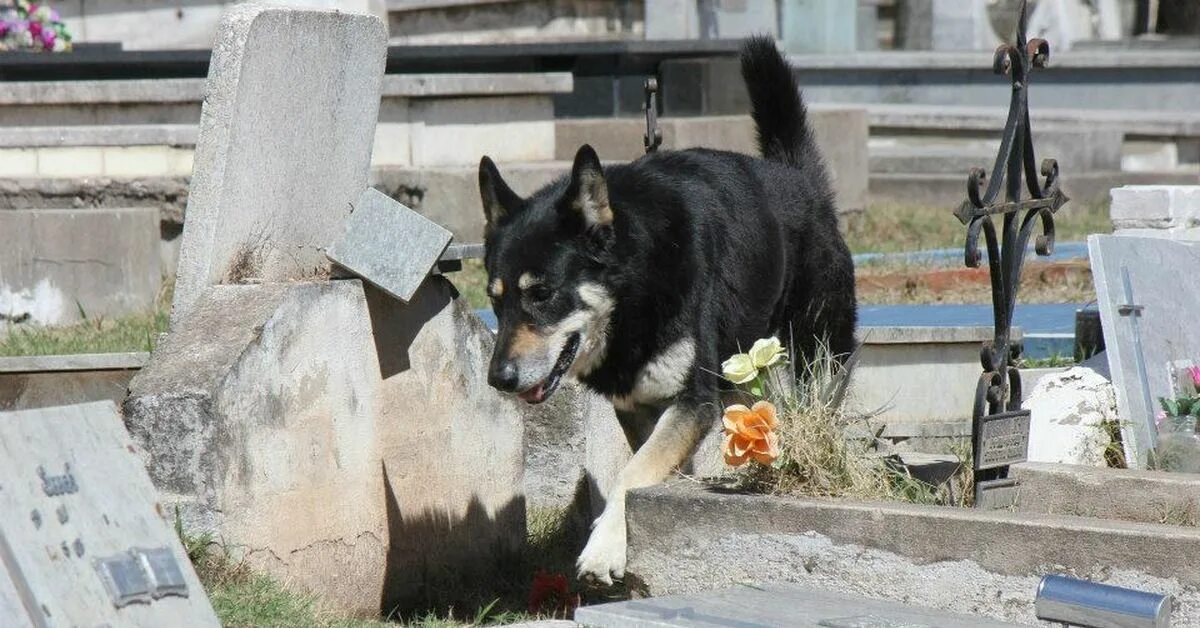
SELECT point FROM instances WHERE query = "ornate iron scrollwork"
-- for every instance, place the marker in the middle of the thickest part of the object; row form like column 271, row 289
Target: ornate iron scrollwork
column 999, row 388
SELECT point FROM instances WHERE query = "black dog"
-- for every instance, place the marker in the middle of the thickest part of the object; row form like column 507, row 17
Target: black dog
column 638, row 279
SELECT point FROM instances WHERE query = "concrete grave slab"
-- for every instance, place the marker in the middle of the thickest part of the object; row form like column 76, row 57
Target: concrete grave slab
column 28, row 382
column 1145, row 288
column 84, row 539
column 687, row 538
column 284, row 147
column 338, row 439
column 59, row 265
column 772, row 605
column 389, row 245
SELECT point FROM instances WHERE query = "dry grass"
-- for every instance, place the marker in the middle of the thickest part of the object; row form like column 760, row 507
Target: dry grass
column 1073, row 288
column 822, row 451
column 898, row 228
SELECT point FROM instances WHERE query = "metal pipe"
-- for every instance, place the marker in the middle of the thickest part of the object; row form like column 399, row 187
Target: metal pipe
column 1092, row 605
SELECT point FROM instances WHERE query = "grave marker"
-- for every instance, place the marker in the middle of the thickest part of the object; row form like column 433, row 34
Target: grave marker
column 284, row 148
column 84, row 539
column 389, row 245
column 1145, row 288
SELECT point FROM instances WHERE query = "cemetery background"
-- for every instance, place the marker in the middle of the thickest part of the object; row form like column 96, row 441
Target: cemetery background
column 96, row 174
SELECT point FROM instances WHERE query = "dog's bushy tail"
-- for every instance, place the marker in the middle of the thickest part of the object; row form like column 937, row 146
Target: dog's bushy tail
column 778, row 111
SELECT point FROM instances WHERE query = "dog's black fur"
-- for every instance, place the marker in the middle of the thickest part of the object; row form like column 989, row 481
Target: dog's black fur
column 717, row 247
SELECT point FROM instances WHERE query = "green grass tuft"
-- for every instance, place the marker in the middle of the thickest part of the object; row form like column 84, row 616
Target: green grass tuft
column 138, row 332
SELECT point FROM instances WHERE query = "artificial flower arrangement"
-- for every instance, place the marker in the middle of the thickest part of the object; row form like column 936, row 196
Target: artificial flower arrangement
column 1184, row 408
column 1178, row 447
column 750, row 431
column 33, row 27
column 791, row 435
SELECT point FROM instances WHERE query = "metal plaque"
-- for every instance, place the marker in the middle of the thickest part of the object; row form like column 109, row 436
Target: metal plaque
column 165, row 575
column 1003, row 439
column 125, row 579
column 996, row 494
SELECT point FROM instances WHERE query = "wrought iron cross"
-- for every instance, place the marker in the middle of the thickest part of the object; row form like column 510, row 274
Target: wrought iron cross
column 653, row 136
column 999, row 388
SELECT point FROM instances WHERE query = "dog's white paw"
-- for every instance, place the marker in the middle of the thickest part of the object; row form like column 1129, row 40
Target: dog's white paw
column 603, row 558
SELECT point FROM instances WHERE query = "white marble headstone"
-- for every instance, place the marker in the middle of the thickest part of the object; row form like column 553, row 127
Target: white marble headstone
column 1149, row 332
column 84, row 537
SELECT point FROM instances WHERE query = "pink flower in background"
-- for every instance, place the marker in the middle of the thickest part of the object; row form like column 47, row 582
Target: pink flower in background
column 1194, row 372
column 35, row 29
column 1160, row 417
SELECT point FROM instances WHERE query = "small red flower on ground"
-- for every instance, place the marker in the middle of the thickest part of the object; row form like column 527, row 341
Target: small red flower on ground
column 551, row 595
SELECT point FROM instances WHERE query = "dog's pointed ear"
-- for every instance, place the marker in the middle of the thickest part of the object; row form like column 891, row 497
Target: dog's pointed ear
column 498, row 199
column 587, row 196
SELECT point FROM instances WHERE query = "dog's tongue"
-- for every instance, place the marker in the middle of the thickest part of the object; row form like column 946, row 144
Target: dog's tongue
column 537, row 394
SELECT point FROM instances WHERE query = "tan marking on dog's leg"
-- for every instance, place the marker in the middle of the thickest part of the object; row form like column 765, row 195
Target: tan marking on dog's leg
column 672, row 441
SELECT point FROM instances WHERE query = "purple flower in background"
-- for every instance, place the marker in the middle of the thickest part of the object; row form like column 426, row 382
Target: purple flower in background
column 35, row 29
column 48, row 37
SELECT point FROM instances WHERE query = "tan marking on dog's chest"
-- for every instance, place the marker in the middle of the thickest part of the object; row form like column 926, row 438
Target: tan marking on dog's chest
column 496, row 288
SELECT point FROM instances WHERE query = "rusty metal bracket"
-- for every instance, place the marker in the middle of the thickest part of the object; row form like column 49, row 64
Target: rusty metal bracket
column 652, row 139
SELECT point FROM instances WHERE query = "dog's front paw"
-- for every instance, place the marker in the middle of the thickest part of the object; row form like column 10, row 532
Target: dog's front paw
column 603, row 558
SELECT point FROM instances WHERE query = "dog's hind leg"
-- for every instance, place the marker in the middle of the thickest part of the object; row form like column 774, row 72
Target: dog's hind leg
column 674, row 438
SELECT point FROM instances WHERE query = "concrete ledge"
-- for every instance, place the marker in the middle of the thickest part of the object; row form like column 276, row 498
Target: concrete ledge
column 992, row 119
column 67, row 363
column 1125, row 494
column 982, row 60
column 926, row 335
column 684, row 538
column 187, row 90
column 430, row 85
column 950, row 190
column 180, row 135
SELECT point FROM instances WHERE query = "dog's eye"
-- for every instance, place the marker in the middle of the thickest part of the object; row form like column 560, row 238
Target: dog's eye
column 538, row 293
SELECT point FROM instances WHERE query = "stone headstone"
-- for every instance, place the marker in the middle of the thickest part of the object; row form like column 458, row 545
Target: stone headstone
column 349, row 442
column 945, row 25
column 389, row 245
column 84, row 539
column 819, row 26
column 709, row 19
column 1146, row 290
column 772, row 605
column 284, row 147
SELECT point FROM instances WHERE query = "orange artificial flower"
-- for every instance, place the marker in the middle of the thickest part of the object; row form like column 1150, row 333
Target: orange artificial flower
column 749, row 434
